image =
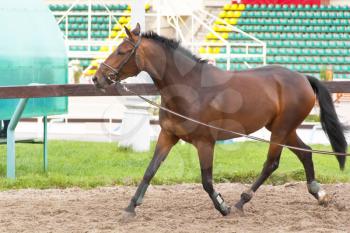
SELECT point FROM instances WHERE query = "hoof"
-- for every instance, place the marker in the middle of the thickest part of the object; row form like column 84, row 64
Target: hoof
column 324, row 199
column 127, row 215
column 225, row 210
column 220, row 204
column 239, row 205
column 238, row 210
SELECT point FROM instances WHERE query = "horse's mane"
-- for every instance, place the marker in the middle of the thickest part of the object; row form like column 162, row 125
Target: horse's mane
column 172, row 44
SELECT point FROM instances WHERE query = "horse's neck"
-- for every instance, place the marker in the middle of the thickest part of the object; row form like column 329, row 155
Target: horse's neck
column 174, row 70
column 178, row 76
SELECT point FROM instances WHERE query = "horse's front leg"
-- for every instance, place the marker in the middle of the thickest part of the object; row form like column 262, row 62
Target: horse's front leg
column 205, row 153
column 165, row 142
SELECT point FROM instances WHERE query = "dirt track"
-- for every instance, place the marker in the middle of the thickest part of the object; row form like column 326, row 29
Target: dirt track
column 178, row 208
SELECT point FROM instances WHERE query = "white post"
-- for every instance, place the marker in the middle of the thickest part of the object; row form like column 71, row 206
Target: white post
column 135, row 131
column 89, row 21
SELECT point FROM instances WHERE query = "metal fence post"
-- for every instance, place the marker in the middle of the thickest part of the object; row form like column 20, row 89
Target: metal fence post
column 45, row 158
column 11, row 143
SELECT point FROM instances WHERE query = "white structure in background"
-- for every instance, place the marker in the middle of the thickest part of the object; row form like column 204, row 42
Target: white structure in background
column 75, row 71
column 135, row 130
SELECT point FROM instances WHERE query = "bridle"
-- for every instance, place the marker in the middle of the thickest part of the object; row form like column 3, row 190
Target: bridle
column 113, row 75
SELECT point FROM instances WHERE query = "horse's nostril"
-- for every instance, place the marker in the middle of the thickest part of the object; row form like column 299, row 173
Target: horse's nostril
column 94, row 80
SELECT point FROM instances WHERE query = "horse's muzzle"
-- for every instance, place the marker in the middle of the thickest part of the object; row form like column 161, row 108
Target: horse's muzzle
column 96, row 83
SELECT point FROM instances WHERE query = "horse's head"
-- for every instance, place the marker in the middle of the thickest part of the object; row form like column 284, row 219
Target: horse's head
column 121, row 64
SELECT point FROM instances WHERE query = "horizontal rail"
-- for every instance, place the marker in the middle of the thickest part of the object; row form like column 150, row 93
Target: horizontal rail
column 39, row 91
column 10, row 92
column 338, row 86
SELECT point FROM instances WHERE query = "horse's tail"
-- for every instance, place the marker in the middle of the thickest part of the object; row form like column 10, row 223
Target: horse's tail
column 329, row 120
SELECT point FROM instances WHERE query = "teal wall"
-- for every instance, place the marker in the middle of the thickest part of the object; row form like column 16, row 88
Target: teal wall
column 31, row 51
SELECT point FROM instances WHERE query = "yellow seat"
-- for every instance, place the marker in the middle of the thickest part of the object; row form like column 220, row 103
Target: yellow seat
column 237, row 14
column 216, row 27
column 219, row 28
column 229, row 14
column 129, row 8
column 227, row 7
column 90, row 72
column 210, row 36
column 117, row 27
column 222, row 28
column 114, row 34
column 241, row 7
column 218, row 22
column 123, row 35
column 216, row 50
column 95, row 62
column 233, row 21
column 104, row 49
column 209, row 50
column 147, row 6
column 202, row 50
column 224, row 35
column 234, row 7
column 122, row 20
column 222, row 14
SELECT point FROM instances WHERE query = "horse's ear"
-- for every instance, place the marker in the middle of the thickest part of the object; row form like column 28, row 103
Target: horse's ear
column 136, row 31
column 128, row 32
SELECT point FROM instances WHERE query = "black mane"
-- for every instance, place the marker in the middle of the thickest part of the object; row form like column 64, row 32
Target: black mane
column 172, row 44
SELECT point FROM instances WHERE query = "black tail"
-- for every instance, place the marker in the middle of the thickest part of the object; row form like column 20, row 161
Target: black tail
column 329, row 120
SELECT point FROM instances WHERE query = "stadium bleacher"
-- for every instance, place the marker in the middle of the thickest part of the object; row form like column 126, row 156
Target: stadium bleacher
column 78, row 25
column 305, row 38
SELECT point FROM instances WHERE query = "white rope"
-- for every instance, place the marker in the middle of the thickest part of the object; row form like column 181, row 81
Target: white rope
column 229, row 131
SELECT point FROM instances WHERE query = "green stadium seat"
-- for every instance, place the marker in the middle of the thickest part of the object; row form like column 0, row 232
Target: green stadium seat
column 85, row 62
column 95, row 48
column 71, row 19
column 278, row 7
column 83, row 27
column 221, row 66
column 270, row 7
column 223, row 50
column 263, row 7
column 220, row 60
column 80, row 7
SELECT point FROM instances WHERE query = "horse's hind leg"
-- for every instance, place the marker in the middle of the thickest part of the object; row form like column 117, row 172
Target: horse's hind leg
column 205, row 154
column 271, row 164
column 306, row 159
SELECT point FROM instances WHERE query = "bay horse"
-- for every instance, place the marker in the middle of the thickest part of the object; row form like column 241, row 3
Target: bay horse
column 243, row 101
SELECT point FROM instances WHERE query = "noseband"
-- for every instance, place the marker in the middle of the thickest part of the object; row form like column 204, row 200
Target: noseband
column 113, row 76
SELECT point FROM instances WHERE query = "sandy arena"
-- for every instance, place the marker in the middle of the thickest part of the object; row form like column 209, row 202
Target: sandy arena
column 177, row 208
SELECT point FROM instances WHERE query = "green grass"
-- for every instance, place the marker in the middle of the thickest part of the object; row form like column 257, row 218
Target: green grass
column 91, row 164
column 312, row 118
